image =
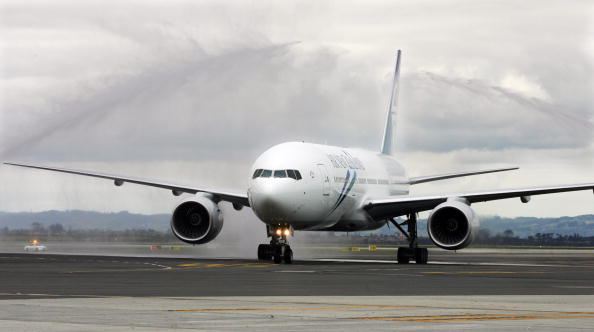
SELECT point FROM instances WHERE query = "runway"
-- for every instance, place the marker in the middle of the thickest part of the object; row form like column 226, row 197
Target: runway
column 146, row 276
column 72, row 292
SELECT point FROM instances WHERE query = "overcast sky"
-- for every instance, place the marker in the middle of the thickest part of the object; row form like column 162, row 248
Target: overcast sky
column 193, row 91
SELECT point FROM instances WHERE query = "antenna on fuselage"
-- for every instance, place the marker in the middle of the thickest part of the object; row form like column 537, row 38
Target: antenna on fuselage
column 388, row 140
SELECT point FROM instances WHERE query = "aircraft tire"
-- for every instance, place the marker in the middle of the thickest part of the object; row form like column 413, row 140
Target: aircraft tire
column 277, row 256
column 403, row 255
column 288, row 255
column 421, row 255
column 277, row 259
column 265, row 252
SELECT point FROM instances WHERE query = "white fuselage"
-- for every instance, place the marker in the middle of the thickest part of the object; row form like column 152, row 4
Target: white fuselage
column 334, row 183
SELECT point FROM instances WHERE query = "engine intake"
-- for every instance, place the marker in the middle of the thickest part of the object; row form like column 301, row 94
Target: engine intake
column 452, row 225
column 197, row 220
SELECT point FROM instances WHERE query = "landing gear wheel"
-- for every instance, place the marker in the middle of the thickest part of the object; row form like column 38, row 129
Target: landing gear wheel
column 278, row 250
column 264, row 252
column 421, row 255
column 403, row 255
column 277, row 256
column 288, row 255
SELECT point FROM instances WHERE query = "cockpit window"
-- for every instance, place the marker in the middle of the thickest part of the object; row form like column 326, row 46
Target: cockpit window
column 257, row 173
column 294, row 174
column 280, row 174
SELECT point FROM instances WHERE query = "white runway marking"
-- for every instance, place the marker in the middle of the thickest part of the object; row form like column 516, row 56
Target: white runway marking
column 350, row 260
column 158, row 265
column 436, row 262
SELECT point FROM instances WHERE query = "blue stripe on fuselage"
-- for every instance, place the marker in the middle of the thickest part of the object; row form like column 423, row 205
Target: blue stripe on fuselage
column 344, row 194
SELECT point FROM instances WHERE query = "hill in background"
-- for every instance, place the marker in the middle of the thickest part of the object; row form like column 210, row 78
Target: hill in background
column 76, row 219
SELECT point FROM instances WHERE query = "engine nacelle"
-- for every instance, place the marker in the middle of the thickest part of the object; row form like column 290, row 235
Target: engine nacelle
column 197, row 220
column 452, row 225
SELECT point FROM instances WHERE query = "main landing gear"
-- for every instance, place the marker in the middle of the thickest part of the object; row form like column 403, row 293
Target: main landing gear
column 405, row 254
column 278, row 250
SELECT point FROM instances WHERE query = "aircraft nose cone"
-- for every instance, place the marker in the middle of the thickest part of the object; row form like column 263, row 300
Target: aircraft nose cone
column 270, row 204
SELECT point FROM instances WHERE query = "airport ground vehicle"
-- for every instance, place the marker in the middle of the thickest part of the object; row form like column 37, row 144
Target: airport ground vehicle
column 35, row 246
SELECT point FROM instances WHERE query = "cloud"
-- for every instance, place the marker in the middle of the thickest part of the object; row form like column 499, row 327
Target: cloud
column 216, row 104
column 191, row 88
column 447, row 114
column 523, row 86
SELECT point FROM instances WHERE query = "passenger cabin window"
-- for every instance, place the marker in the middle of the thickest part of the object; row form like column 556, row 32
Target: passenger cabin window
column 280, row 174
column 266, row 173
column 257, row 173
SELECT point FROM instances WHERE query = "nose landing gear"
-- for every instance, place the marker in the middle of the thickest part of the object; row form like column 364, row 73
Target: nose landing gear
column 404, row 255
column 278, row 250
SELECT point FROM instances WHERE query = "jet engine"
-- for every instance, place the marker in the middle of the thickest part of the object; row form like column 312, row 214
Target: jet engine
column 452, row 225
column 197, row 220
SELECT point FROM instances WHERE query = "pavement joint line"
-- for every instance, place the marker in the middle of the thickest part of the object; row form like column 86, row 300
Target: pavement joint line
column 481, row 317
column 432, row 262
column 347, row 305
column 235, row 300
column 291, row 309
column 195, row 299
column 366, row 305
column 483, row 272
column 63, row 295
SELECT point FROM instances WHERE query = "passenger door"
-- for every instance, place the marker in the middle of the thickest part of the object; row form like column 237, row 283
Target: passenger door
column 325, row 178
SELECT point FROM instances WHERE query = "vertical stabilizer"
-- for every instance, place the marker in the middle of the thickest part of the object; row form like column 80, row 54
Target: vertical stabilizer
column 388, row 141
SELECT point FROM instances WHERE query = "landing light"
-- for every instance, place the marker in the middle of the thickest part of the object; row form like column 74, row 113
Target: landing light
column 287, row 232
column 279, row 232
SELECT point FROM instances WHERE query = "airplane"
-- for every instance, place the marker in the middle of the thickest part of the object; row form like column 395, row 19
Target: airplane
column 298, row 186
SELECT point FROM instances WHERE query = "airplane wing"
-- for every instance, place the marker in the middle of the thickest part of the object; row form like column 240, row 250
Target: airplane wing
column 235, row 198
column 398, row 206
column 423, row 179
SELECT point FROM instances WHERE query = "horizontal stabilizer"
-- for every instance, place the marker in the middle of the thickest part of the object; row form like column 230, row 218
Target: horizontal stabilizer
column 423, row 179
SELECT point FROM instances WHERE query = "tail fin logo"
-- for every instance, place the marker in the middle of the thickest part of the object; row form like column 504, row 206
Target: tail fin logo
column 388, row 139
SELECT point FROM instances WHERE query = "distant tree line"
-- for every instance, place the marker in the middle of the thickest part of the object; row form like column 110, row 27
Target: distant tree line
column 57, row 232
column 484, row 237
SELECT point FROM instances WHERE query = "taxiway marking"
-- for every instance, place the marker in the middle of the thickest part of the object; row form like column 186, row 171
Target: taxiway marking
column 178, row 267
